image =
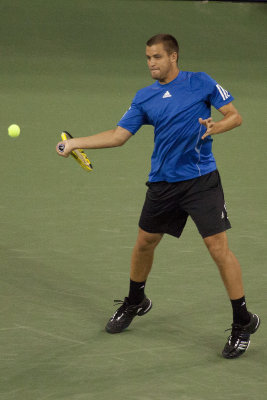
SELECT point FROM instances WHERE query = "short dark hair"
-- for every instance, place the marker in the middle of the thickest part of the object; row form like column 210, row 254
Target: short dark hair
column 169, row 42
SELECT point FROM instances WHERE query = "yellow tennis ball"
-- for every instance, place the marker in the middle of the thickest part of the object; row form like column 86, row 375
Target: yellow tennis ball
column 13, row 130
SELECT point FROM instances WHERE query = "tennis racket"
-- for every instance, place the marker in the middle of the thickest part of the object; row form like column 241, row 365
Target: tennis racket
column 78, row 154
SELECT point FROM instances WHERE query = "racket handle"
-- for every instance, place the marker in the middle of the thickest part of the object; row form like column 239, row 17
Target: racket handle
column 61, row 147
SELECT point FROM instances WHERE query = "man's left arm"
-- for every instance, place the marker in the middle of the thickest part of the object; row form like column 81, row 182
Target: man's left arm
column 231, row 119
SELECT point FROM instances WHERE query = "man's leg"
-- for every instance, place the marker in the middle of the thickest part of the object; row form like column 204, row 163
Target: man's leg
column 244, row 323
column 141, row 264
column 227, row 263
column 143, row 255
column 136, row 303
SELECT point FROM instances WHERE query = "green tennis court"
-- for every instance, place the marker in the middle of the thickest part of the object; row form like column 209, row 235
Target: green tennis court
column 67, row 235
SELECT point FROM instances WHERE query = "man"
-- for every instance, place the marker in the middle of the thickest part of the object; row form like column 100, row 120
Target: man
column 183, row 179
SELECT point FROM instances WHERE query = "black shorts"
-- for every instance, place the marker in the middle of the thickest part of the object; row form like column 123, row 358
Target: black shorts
column 167, row 206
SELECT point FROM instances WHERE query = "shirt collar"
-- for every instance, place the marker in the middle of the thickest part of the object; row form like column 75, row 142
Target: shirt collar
column 178, row 78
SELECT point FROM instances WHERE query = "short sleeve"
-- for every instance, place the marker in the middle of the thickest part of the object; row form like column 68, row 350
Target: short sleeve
column 216, row 94
column 133, row 119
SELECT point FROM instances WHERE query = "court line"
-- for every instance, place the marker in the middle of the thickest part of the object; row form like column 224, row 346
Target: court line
column 140, row 350
column 42, row 332
column 9, row 329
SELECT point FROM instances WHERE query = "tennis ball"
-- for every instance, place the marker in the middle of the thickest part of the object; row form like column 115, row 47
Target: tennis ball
column 13, row 130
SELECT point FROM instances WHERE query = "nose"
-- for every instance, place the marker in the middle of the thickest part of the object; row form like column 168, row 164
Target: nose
column 151, row 63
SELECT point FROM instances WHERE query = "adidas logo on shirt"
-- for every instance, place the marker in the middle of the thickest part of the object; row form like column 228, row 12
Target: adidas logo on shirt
column 166, row 94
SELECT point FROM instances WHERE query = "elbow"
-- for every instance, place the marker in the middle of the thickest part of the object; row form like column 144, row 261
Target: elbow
column 120, row 136
column 120, row 143
column 116, row 140
column 238, row 120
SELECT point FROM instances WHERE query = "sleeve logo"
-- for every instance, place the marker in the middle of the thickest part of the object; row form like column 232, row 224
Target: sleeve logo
column 126, row 111
column 225, row 95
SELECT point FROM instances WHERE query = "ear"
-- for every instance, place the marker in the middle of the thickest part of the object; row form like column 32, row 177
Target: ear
column 174, row 57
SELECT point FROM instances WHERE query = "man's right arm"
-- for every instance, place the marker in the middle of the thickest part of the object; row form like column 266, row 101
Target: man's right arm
column 112, row 138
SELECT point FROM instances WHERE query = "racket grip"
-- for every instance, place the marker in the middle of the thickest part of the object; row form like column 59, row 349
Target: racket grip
column 61, row 147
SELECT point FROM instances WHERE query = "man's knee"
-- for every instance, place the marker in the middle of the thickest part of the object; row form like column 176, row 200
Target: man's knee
column 217, row 246
column 147, row 241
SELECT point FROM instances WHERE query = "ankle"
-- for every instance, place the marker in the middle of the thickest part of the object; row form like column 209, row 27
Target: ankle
column 241, row 315
column 136, row 292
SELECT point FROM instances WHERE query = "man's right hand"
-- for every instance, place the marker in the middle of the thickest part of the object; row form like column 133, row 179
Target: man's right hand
column 67, row 148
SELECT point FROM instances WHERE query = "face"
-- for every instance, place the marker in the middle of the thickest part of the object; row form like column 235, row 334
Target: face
column 160, row 63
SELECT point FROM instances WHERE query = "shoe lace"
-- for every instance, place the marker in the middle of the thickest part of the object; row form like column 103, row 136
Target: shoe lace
column 117, row 302
column 237, row 332
column 125, row 307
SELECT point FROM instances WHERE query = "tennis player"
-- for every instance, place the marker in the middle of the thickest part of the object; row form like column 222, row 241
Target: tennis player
column 183, row 181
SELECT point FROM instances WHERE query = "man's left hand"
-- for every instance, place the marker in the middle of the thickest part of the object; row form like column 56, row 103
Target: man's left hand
column 209, row 124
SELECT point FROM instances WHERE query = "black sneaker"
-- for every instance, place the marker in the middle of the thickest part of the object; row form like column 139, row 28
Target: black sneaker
column 125, row 314
column 239, row 339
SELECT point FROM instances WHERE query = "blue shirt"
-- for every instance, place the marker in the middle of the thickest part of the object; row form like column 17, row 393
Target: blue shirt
column 174, row 109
